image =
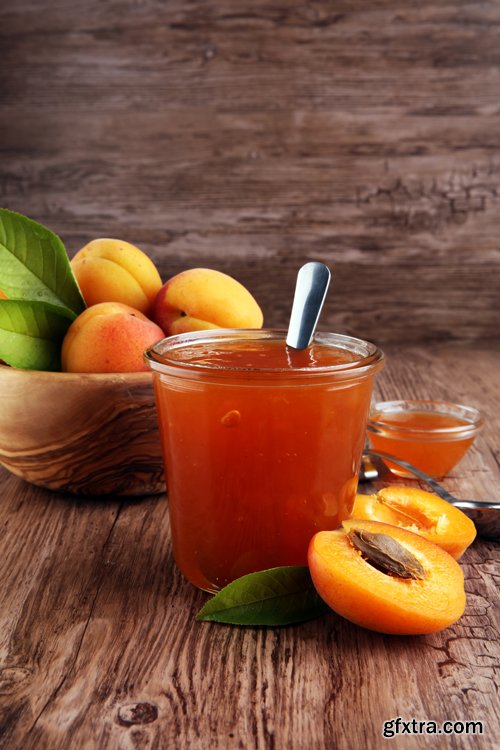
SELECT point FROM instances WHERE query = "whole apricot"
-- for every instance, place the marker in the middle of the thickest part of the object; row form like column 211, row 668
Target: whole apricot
column 109, row 270
column 108, row 337
column 202, row 298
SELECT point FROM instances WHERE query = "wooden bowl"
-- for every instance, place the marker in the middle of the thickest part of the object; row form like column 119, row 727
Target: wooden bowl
column 90, row 434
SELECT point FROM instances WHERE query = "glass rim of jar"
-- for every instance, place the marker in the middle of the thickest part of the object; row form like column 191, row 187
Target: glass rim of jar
column 371, row 358
column 471, row 415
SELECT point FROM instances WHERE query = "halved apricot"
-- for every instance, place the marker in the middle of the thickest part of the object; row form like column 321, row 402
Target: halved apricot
column 386, row 578
column 421, row 512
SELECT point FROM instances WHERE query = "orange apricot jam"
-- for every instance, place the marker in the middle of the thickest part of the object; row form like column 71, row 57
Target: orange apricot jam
column 433, row 436
column 262, row 445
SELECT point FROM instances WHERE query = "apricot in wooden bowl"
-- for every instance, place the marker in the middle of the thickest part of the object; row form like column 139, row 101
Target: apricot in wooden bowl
column 85, row 433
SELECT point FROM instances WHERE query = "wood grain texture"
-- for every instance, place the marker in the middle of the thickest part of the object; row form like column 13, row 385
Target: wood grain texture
column 91, row 434
column 99, row 647
column 253, row 138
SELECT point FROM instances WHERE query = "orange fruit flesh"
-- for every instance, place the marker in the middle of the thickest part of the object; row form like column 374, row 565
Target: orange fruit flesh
column 368, row 597
column 422, row 512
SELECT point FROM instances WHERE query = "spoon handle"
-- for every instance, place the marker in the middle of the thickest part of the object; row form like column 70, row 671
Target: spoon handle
column 438, row 489
column 486, row 516
column 310, row 292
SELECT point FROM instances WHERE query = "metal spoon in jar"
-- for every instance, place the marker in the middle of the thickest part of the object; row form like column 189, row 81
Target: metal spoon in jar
column 486, row 516
column 310, row 292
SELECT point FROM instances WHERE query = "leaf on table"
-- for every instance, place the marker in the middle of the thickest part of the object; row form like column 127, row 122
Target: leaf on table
column 31, row 333
column 278, row 596
column 34, row 264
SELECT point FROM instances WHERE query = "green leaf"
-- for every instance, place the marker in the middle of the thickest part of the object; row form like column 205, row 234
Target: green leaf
column 34, row 264
column 31, row 333
column 278, row 596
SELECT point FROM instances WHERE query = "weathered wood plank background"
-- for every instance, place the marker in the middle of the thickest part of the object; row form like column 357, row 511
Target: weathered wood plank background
column 250, row 137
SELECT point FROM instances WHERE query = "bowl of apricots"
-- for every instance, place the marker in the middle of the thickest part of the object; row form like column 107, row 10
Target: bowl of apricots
column 77, row 409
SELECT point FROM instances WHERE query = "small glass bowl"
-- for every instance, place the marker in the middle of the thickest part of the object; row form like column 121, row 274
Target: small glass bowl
column 431, row 435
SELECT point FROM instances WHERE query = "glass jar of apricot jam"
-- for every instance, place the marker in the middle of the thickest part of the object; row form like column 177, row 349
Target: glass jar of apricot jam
column 262, row 444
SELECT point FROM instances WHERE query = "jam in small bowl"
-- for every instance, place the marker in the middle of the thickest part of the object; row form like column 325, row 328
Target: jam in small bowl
column 431, row 435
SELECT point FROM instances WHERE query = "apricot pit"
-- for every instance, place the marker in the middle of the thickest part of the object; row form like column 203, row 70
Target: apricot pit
column 388, row 555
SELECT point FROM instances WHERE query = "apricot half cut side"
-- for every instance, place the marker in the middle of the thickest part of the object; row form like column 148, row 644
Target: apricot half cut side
column 418, row 589
column 421, row 512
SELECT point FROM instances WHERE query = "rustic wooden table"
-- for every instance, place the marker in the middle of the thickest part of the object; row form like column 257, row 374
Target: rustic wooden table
column 250, row 137
column 100, row 648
